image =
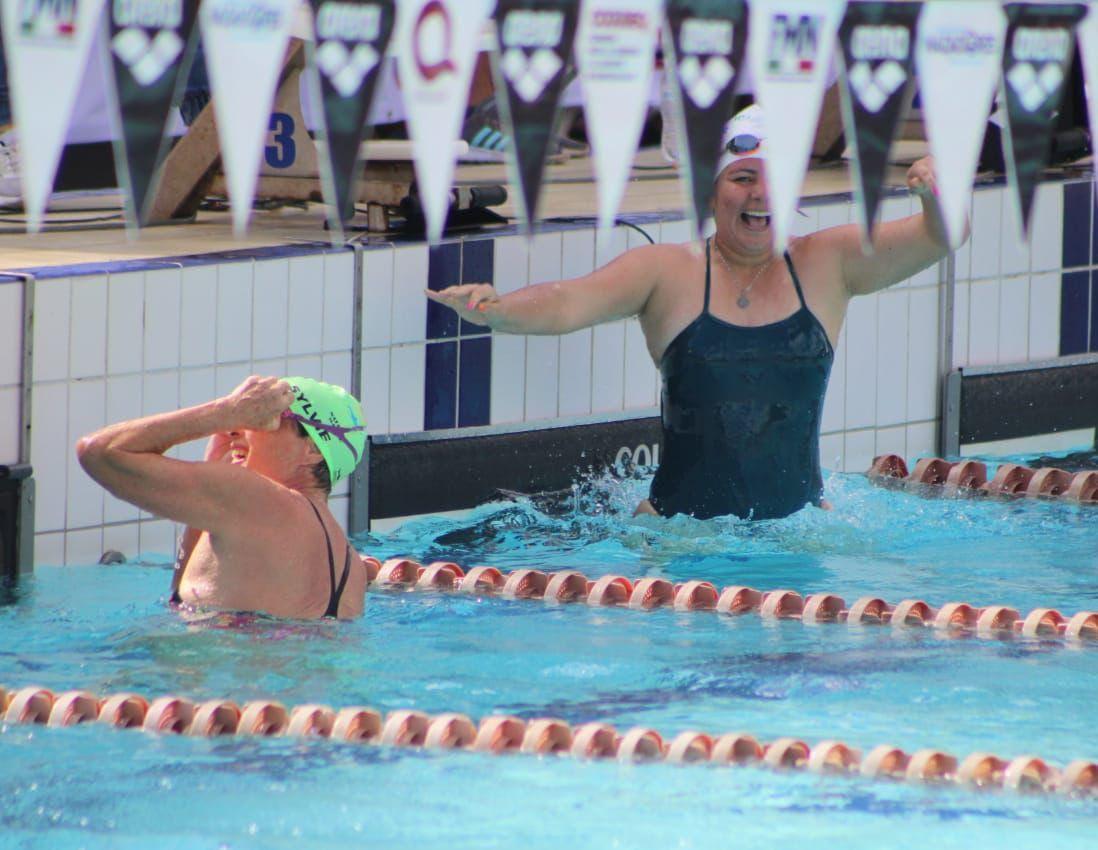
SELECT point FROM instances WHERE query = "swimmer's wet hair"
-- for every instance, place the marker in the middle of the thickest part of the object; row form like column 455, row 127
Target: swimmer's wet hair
column 321, row 474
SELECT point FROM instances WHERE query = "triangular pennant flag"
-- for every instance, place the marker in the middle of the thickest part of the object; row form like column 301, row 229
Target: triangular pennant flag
column 245, row 45
column 535, row 48
column 791, row 47
column 1040, row 43
column 150, row 46
column 436, row 46
column 1088, row 49
column 957, row 53
column 615, row 47
column 46, row 46
column 878, row 43
column 350, row 40
column 707, row 43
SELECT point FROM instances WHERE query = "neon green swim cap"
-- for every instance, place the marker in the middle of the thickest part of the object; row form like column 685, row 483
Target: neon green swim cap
column 333, row 418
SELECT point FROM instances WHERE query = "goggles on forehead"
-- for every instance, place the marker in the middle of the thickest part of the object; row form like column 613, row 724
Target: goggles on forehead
column 743, row 144
column 336, row 431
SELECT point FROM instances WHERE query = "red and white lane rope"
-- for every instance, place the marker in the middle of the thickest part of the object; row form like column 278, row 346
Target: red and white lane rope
column 952, row 618
column 542, row 736
column 1010, row 479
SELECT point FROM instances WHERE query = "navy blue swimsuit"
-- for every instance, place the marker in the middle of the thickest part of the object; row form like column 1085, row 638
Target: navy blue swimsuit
column 741, row 411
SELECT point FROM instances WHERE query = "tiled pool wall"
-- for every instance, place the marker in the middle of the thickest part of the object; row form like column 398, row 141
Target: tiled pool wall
column 123, row 340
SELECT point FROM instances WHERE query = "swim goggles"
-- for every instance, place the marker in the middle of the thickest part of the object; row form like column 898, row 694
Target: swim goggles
column 743, row 144
column 337, row 431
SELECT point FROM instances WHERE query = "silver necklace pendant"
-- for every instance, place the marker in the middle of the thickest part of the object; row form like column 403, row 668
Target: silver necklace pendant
column 742, row 302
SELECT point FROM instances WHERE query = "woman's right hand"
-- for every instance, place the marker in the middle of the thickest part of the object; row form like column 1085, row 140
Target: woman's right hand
column 258, row 404
column 474, row 302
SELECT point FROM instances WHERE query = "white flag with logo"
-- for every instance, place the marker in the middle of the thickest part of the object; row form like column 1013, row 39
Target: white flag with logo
column 46, row 45
column 436, row 44
column 615, row 47
column 790, row 47
column 958, row 51
column 1087, row 33
column 245, row 46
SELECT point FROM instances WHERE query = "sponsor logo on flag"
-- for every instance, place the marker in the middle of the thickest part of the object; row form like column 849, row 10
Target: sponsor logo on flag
column 531, row 58
column 878, row 72
column 148, row 41
column 47, row 20
column 962, row 43
column 794, row 46
column 1039, row 56
column 704, row 69
column 346, row 53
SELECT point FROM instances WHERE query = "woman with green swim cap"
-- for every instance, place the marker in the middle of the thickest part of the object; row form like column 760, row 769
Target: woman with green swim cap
column 252, row 507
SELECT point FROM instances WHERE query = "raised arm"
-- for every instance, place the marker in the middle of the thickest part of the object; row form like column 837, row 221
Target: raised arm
column 617, row 290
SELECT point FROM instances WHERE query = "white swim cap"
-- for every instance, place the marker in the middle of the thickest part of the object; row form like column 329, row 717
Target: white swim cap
column 743, row 138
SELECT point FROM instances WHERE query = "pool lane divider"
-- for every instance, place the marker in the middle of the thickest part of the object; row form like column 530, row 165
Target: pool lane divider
column 542, row 736
column 953, row 619
column 933, row 475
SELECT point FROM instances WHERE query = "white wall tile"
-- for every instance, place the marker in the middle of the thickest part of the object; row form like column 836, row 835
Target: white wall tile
column 608, row 368
column 270, row 308
column 10, row 400
column 197, row 318
column 339, row 506
column 11, row 333
column 962, row 256
column 270, row 366
column 406, row 395
column 126, row 322
column 1044, row 316
column 960, row 324
column 307, row 303
column 545, row 257
column 307, row 366
column 577, row 253
column 891, row 441
column 507, row 395
column 892, row 345
column 1015, row 250
column 986, row 239
column 1047, row 227
column 675, row 232
column 87, row 413
column 336, row 368
column 922, row 355
column 123, row 403
column 84, row 547
column 157, row 537
column 49, row 453
column 859, row 450
column 122, row 538
column 159, row 392
column 509, row 263
column 922, row 441
column 196, row 386
column 835, row 214
column 88, row 337
column 833, row 417
column 228, row 378
column 375, row 389
column 49, row 549
column 831, row 451
column 610, row 244
column 339, row 301
column 377, row 297
column 983, row 323
column 894, row 208
column 234, row 312
column 409, row 302
column 861, row 362
column 162, row 305
column 542, row 375
column 927, row 277
column 51, row 329
column 575, row 373
column 641, row 378
column 1014, row 320
column 806, row 220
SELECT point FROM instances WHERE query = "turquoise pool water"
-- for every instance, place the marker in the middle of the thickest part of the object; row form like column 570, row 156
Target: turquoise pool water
column 107, row 629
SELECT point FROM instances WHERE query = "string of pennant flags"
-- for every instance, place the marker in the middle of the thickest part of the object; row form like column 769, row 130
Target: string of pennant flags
column 962, row 53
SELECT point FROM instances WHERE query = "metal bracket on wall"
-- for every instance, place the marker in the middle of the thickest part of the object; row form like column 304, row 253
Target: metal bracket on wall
column 947, row 284
column 358, row 501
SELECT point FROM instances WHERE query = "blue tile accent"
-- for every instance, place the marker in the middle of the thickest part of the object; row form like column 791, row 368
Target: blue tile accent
column 1094, row 311
column 1074, row 312
column 1077, row 217
column 477, row 266
column 440, row 386
column 443, row 270
column 475, row 383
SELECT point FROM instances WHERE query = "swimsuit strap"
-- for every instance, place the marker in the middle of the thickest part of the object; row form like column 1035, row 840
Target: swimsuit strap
column 796, row 280
column 336, row 593
column 705, row 304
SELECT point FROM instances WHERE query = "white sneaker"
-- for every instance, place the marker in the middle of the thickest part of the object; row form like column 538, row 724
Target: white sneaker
column 10, row 184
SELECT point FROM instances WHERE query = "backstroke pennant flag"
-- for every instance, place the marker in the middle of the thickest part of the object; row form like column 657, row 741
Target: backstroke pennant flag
column 1040, row 43
column 350, row 40
column 1088, row 49
column 436, row 44
column 957, row 53
column 150, row 47
column 615, row 47
column 46, row 43
column 791, row 45
column 535, row 47
column 706, row 45
column 878, row 72
column 245, row 43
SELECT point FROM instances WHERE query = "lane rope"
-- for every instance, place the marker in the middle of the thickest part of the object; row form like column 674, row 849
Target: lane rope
column 543, row 736
column 953, row 619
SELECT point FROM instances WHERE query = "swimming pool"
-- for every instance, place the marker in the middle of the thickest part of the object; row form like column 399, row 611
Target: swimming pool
column 106, row 629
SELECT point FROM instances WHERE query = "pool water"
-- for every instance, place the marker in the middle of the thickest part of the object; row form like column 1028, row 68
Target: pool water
column 106, row 629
